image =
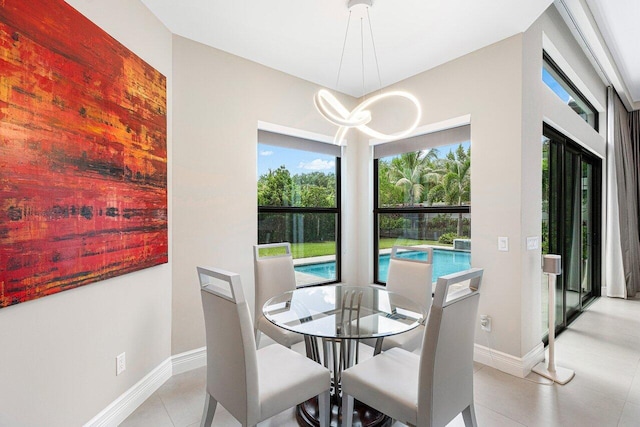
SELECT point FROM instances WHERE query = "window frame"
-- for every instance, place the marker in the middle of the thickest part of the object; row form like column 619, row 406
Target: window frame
column 337, row 210
column 546, row 59
column 377, row 210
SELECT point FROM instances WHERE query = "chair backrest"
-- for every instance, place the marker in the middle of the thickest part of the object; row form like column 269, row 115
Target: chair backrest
column 274, row 274
column 232, row 366
column 411, row 277
column 446, row 365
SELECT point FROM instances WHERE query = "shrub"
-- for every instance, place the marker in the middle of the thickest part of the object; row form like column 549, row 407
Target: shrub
column 447, row 238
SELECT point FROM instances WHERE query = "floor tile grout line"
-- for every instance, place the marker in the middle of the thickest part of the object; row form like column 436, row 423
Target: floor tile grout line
column 501, row 414
column 164, row 405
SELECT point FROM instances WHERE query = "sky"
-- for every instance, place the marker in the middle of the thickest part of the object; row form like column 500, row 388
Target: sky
column 296, row 161
column 555, row 86
column 446, row 149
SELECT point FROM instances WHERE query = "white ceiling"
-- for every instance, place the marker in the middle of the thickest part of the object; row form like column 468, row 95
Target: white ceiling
column 305, row 37
column 619, row 24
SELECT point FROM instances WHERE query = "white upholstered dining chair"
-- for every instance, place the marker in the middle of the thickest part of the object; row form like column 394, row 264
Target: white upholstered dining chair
column 274, row 275
column 251, row 384
column 411, row 278
column 433, row 388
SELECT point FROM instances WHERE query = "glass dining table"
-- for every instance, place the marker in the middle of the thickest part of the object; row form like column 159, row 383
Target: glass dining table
column 334, row 319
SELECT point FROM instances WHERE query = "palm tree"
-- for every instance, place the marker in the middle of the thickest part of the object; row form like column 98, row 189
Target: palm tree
column 414, row 171
column 454, row 187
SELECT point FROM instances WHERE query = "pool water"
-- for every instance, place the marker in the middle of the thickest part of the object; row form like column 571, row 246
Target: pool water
column 444, row 262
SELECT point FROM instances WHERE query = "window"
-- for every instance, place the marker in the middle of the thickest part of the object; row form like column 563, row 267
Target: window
column 560, row 84
column 422, row 196
column 299, row 202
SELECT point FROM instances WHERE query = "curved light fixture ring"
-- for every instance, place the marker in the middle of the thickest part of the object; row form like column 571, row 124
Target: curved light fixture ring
column 402, row 94
column 359, row 117
column 332, row 110
column 343, row 117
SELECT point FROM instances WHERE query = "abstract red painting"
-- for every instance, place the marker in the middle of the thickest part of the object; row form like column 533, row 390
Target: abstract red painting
column 83, row 153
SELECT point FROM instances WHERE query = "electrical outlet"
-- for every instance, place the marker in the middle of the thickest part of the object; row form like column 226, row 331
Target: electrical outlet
column 121, row 363
column 485, row 322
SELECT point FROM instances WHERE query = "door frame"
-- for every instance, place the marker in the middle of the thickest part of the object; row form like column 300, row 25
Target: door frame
column 565, row 144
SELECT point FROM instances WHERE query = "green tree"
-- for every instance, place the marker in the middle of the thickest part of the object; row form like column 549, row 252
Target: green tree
column 454, row 186
column 414, row 171
column 275, row 188
column 545, row 196
column 319, row 179
column 279, row 188
column 316, row 189
column 388, row 193
column 317, row 196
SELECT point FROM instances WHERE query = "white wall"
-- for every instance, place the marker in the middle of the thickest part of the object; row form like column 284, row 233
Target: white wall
column 486, row 85
column 57, row 353
column 551, row 33
column 501, row 87
column 540, row 105
column 218, row 100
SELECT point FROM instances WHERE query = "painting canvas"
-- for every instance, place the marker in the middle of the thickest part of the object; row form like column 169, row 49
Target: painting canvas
column 83, row 154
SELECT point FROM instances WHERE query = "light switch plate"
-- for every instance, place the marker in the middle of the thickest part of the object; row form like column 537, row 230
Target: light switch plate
column 503, row 244
column 532, row 243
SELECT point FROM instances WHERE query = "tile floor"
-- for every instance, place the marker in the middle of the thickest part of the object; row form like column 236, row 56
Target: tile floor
column 602, row 346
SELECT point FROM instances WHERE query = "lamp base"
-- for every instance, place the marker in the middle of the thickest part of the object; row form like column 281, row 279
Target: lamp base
column 357, row 2
column 560, row 375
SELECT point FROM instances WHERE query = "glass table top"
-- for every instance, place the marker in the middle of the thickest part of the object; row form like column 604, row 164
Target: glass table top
column 332, row 312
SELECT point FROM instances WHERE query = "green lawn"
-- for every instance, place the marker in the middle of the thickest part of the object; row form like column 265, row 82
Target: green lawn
column 305, row 250
column 313, row 249
column 388, row 243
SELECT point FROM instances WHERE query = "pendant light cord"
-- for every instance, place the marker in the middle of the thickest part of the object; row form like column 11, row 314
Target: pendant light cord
column 362, row 52
column 375, row 53
column 332, row 110
column 344, row 43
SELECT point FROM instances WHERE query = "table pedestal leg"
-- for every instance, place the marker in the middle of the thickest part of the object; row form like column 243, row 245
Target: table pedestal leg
column 363, row 416
column 336, row 360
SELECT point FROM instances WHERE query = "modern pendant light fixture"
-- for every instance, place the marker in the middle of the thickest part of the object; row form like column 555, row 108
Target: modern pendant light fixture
column 332, row 110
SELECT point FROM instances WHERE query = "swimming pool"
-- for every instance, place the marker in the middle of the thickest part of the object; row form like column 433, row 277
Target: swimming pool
column 444, row 262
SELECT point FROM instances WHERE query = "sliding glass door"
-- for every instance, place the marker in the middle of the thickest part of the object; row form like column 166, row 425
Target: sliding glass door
column 571, row 218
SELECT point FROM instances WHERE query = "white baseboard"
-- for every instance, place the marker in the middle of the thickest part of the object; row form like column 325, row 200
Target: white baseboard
column 517, row 366
column 131, row 399
column 189, row 360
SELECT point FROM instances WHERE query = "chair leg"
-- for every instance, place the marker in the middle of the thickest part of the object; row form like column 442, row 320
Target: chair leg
column 347, row 410
column 324, row 403
column 210, row 405
column 257, row 332
column 469, row 416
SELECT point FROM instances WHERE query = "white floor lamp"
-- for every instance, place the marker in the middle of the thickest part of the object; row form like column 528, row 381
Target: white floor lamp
column 551, row 265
